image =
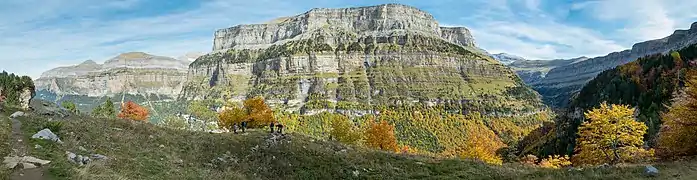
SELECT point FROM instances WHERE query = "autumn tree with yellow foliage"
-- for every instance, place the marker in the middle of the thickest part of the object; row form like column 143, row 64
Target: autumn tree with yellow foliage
column 258, row 113
column 481, row 144
column 381, row 136
column 255, row 111
column 133, row 111
column 610, row 135
column 343, row 130
column 677, row 134
column 230, row 116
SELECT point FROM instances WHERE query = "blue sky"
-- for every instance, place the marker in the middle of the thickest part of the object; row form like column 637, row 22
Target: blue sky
column 37, row 35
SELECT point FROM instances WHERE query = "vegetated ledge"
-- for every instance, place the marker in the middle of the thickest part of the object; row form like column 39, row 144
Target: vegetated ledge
column 348, row 44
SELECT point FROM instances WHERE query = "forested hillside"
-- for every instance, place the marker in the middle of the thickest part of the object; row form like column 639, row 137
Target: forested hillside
column 649, row 84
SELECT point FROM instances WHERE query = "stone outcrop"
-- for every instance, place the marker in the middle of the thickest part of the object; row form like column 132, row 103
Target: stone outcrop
column 379, row 20
column 25, row 97
column 133, row 73
column 563, row 81
column 356, row 59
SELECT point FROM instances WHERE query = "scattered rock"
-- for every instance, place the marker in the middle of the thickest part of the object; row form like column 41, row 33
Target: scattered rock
column 118, row 129
column 82, row 148
column 27, row 162
column 79, row 159
column 650, row 171
column 356, row 173
column 162, row 146
column 46, row 108
column 17, row 114
column 71, row 156
column 28, row 166
column 151, row 136
column 99, row 157
column 48, row 135
column 37, row 146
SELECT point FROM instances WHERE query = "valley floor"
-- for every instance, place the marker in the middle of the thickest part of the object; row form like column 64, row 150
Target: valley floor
column 138, row 150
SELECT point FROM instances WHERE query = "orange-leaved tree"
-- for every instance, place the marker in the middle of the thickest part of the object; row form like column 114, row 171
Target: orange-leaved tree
column 610, row 135
column 381, row 136
column 133, row 111
column 259, row 114
column 677, row 134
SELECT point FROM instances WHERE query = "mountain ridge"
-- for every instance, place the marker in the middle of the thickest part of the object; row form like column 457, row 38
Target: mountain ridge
column 356, row 58
column 161, row 74
column 563, row 81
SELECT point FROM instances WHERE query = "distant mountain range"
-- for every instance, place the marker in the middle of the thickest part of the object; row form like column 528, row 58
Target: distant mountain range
column 134, row 76
column 507, row 58
column 563, row 81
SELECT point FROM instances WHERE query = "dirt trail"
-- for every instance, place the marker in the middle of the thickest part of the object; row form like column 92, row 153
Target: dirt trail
column 19, row 148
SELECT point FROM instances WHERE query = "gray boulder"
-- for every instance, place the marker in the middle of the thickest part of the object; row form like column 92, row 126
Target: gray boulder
column 650, row 171
column 46, row 108
column 17, row 114
column 48, row 135
column 71, row 156
column 99, row 157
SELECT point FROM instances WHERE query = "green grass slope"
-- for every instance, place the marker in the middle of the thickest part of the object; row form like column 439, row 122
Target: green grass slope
column 143, row 151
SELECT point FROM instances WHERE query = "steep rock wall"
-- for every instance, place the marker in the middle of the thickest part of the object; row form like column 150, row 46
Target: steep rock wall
column 563, row 81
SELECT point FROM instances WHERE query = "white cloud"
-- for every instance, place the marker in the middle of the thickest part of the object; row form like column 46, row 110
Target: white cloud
column 543, row 40
column 42, row 45
column 645, row 19
column 532, row 4
column 533, row 33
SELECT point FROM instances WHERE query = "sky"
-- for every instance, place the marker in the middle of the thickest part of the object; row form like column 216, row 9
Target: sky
column 38, row 35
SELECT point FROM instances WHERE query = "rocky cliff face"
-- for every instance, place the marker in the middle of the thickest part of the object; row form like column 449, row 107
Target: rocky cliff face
column 378, row 21
column 355, row 59
column 563, row 81
column 532, row 71
column 134, row 73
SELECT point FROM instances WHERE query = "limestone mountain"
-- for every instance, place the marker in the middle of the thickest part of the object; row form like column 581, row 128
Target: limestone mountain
column 532, row 71
column 564, row 81
column 190, row 56
column 507, row 58
column 134, row 72
column 357, row 59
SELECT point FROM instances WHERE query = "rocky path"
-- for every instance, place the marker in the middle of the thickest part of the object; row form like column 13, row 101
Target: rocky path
column 19, row 148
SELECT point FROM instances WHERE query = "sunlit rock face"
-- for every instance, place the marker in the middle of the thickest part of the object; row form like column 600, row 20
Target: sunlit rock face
column 134, row 73
column 355, row 59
